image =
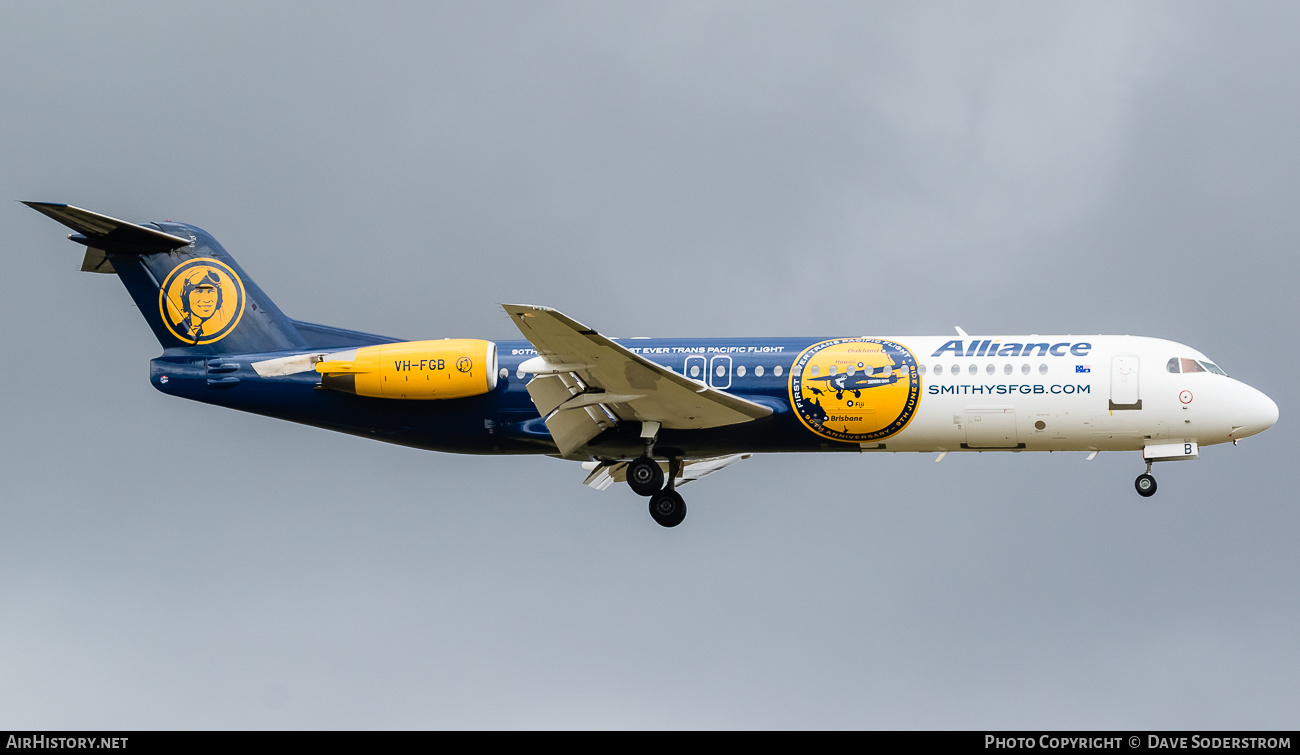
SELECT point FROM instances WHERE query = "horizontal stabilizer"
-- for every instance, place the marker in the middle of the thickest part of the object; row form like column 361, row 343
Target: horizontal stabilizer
column 102, row 232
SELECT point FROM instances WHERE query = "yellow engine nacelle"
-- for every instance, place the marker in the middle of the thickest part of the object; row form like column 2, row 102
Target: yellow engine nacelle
column 451, row 368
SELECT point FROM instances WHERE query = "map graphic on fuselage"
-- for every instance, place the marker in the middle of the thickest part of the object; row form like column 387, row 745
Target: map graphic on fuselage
column 855, row 389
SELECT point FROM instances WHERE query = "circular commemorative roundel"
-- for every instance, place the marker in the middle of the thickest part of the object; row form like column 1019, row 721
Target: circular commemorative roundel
column 855, row 389
column 201, row 301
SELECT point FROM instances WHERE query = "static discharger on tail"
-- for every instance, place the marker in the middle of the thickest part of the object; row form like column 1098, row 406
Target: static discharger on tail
column 658, row 413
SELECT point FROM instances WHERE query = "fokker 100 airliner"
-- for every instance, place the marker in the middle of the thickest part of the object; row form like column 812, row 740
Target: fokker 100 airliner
column 657, row 412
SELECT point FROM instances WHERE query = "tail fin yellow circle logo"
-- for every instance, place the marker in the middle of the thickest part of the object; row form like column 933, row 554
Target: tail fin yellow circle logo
column 855, row 389
column 201, row 301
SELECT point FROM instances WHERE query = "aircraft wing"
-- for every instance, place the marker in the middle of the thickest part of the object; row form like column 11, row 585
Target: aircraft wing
column 583, row 382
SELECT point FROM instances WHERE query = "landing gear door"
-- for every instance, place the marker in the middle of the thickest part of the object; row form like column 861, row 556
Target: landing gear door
column 1124, row 390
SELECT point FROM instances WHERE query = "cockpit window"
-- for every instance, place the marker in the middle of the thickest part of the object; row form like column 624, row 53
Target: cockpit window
column 1177, row 365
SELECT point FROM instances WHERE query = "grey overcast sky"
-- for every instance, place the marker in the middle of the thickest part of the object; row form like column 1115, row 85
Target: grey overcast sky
column 671, row 169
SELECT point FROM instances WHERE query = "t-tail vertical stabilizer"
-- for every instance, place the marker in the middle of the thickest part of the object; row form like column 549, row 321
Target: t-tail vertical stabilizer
column 190, row 290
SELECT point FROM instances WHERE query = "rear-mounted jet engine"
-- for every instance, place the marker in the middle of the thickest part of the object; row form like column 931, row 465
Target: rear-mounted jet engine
column 420, row 370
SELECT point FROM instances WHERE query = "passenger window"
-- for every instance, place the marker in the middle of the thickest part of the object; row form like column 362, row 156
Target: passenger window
column 758, row 371
column 990, row 369
column 695, row 370
column 834, row 369
column 973, row 369
column 779, row 369
column 938, row 369
column 1006, row 370
column 740, row 371
column 1172, row 366
column 1190, row 365
column 1024, row 369
column 920, row 368
column 815, row 370
column 1042, row 369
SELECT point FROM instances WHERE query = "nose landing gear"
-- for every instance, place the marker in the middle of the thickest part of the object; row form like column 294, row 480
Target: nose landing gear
column 1145, row 483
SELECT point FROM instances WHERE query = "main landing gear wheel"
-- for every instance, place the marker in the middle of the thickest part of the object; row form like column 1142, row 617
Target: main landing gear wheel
column 667, row 508
column 644, row 476
column 1146, row 485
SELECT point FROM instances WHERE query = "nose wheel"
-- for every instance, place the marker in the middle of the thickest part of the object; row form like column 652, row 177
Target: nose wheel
column 1145, row 483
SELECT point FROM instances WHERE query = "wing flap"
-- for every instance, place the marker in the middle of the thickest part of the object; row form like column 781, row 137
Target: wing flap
column 572, row 428
column 548, row 392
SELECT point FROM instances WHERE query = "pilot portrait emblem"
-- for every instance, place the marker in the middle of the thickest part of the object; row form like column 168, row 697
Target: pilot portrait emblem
column 201, row 301
column 855, row 389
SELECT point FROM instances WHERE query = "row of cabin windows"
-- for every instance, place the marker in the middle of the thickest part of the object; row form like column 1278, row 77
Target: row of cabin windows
column 1175, row 365
column 720, row 371
column 778, row 371
column 988, row 369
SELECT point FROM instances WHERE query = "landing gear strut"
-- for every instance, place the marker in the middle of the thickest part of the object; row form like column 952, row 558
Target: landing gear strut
column 643, row 474
column 1145, row 483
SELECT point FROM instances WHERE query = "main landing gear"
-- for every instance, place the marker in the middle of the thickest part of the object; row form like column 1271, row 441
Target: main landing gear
column 646, row 478
column 1145, row 483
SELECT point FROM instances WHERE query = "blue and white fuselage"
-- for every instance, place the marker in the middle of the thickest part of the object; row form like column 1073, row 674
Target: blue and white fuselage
column 1038, row 403
column 659, row 412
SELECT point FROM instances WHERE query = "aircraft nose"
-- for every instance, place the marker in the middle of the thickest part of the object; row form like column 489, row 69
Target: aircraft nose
column 1256, row 413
